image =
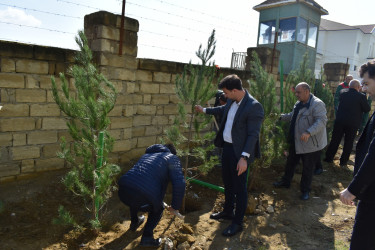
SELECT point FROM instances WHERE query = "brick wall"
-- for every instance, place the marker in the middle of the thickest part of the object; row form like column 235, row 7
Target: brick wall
column 31, row 124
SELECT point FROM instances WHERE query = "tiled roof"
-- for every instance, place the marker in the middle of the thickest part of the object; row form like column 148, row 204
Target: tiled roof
column 274, row 3
column 331, row 26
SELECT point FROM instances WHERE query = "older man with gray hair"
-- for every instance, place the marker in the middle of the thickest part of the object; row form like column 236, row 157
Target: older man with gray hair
column 307, row 136
column 352, row 105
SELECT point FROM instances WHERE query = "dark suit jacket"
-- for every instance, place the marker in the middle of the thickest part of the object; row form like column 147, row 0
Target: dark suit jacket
column 246, row 126
column 352, row 105
column 363, row 183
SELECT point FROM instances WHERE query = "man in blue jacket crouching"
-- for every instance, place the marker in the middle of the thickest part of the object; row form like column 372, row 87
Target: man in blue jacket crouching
column 143, row 188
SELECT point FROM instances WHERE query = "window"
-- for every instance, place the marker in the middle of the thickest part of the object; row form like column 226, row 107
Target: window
column 355, row 67
column 358, row 46
column 287, row 30
column 313, row 32
column 267, row 32
column 302, row 30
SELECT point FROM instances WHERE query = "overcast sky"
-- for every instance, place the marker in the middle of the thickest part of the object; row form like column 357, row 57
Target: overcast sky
column 169, row 30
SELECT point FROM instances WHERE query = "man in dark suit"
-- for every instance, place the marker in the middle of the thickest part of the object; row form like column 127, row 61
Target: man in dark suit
column 362, row 186
column 238, row 135
column 351, row 107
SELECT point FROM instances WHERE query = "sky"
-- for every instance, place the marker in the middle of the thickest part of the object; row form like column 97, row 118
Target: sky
column 170, row 30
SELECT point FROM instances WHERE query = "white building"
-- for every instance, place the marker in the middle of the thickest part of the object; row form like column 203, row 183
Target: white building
column 340, row 43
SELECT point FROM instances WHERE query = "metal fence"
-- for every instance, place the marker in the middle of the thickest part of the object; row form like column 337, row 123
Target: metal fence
column 238, row 60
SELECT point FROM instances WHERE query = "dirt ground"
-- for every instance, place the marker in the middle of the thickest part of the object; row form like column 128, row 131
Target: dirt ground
column 28, row 206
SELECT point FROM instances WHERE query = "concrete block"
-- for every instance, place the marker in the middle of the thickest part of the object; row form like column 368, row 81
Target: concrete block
column 146, row 110
column 15, row 110
column 32, row 66
column 31, row 95
column 141, row 120
column 15, row 81
column 116, row 111
column 146, row 99
column 27, row 166
column 162, row 77
column 127, row 133
column 146, row 141
column 121, row 146
column 9, row 169
column 19, row 139
column 7, row 65
column 121, row 122
column 130, row 87
column 128, row 111
column 167, row 89
column 50, row 150
column 44, row 110
column 170, row 110
column 154, row 130
column 159, row 120
column 159, row 99
column 151, row 88
column 115, row 134
column 49, row 164
column 138, row 131
column 143, row 75
column 17, row 124
column 25, row 152
column 5, row 139
column 53, row 123
column 41, row 137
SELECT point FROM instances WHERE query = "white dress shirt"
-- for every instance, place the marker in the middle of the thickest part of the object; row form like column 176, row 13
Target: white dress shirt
column 227, row 133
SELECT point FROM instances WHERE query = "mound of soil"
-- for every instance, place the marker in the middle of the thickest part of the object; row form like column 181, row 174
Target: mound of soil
column 276, row 218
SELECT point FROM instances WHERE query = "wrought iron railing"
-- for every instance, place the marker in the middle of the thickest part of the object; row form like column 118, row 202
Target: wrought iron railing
column 238, row 60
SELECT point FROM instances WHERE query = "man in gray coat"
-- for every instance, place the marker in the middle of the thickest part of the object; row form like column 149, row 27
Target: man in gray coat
column 307, row 136
column 238, row 135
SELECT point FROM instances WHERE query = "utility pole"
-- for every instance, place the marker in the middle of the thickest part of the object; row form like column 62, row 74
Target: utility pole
column 273, row 51
column 122, row 27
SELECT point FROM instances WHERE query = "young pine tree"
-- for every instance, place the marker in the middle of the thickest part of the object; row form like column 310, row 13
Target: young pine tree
column 263, row 88
column 91, row 176
column 195, row 86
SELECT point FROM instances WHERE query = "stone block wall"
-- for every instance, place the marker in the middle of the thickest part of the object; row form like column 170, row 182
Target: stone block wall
column 31, row 124
column 30, row 121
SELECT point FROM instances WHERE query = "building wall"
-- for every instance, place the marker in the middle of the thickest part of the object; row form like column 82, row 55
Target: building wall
column 337, row 46
column 31, row 124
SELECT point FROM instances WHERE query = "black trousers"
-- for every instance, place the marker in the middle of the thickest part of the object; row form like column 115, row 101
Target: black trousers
column 363, row 237
column 138, row 203
column 340, row 130
column 309, row 161
column 235, row 186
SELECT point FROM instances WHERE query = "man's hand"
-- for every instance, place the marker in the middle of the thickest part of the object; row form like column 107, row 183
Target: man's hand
column 241, row 166
column 346, row 197
column 305, row 137
column 198, row 108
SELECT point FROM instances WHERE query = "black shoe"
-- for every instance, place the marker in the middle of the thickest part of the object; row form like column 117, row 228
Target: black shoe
column 222, row 215
column 328, row 160
column 281, row 184
column 232, row 229
column 318, row 171
column 134, row 226
column 150, row 242
column 305, row 196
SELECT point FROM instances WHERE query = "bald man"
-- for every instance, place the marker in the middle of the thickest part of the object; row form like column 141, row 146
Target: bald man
column 307, row 137
column 352, row 105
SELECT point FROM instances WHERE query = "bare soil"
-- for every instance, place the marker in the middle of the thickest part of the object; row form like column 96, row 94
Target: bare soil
column 28, row 206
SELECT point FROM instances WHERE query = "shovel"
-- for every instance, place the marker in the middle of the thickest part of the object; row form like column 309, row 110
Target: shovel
column 175, row 213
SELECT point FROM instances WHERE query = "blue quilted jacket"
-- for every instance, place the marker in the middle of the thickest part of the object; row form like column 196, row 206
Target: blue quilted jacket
column 152, row 173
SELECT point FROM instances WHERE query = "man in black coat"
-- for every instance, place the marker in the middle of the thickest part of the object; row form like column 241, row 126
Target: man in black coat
column 143, row 188
column 362, row 186
column 351, row 107
column 238, row 135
